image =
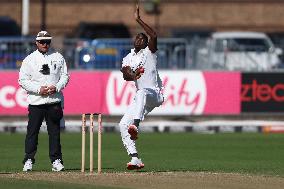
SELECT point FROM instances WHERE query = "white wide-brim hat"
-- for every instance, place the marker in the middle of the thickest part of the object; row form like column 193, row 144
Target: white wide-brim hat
column 43, row 35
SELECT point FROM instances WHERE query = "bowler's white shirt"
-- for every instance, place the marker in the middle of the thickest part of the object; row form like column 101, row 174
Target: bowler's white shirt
column 31, row 79
column 148, row 60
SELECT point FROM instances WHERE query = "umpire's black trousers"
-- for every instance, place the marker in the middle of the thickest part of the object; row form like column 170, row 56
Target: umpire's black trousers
column 52, row 113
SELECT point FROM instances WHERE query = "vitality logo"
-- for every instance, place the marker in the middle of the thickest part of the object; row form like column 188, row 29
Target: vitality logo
column 184, row 92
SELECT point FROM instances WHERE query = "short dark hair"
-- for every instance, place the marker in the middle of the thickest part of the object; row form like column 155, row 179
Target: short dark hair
column 144, row 36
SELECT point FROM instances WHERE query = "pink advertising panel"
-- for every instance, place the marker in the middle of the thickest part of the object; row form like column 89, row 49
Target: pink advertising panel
column 12, row 97
column 186, row 93
column 86, row 93
column 223, row 92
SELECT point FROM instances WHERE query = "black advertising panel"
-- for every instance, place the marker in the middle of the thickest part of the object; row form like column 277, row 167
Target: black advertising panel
column 262, row 92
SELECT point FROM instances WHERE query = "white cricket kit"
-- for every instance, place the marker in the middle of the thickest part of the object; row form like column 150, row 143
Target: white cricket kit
column 148, row 95
column 31, row 78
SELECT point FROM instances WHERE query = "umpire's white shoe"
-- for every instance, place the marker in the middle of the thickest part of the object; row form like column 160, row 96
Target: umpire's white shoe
column 57, row 165
column 28, row 165
column 133, row 131
column 135, row 163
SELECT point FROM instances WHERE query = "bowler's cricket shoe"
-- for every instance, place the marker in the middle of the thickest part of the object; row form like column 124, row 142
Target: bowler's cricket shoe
column 28, row 165
column 133, row 131
column 57, row 166
column 135, row 163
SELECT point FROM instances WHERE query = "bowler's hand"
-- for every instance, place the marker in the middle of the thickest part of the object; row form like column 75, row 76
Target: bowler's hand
column 43, row 90
column 136, row 14
column 138, row 73
column 51, row 90
column 128, row 74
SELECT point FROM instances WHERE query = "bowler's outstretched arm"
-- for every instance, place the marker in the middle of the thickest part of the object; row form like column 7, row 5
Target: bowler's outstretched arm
column 152, row 44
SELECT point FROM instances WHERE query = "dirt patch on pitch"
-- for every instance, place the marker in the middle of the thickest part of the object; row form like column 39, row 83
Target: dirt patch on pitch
column 163, row 180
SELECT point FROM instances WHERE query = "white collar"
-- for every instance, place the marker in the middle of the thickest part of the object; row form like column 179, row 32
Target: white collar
column 139, row 52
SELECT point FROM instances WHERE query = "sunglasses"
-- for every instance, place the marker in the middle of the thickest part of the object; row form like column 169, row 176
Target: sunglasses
column 44, row 42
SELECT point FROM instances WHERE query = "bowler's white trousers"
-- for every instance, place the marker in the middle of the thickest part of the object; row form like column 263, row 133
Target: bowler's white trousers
column 143, row 103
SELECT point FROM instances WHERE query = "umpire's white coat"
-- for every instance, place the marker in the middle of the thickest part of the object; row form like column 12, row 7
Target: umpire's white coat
column 148, row 95
column 31, row 79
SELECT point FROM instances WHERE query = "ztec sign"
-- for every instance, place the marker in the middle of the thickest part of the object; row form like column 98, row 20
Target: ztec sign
column 10, row 97
column 262, row 92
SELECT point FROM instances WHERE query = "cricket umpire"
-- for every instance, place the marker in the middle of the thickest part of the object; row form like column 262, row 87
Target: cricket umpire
column 43, row 75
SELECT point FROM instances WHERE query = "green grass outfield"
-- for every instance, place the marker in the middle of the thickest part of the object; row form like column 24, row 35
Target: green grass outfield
column 249, row 153
column 252, row 153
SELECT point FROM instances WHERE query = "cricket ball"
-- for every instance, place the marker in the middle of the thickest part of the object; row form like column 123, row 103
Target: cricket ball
column 141, row 70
